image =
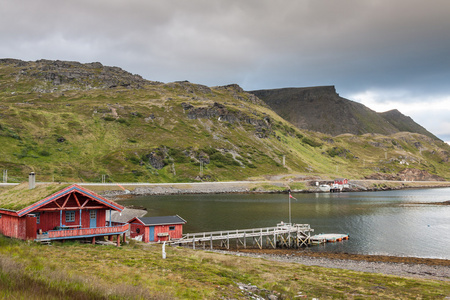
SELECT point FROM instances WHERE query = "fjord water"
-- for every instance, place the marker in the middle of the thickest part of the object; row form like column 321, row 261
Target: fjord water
column 382, row 223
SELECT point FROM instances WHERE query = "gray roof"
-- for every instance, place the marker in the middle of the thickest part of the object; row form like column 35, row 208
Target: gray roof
column 126, row 215
column 166, row 220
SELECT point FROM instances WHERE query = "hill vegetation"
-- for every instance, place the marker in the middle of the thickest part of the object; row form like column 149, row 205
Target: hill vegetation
column 69, row 121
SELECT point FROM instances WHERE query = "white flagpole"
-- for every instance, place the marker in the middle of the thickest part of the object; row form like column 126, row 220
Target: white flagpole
column 289, row 208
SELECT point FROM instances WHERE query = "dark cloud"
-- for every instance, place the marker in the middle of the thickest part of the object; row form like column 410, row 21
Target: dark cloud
column 381, row 47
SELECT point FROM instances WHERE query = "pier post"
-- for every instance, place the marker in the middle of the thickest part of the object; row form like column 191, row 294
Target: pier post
column 211, row 242
column 274, row 239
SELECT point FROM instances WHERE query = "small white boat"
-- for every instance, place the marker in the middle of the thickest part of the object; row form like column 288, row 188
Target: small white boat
column 330, row 237
column 324, row 187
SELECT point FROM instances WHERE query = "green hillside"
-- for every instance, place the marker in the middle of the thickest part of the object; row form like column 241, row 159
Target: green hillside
column 68, row 121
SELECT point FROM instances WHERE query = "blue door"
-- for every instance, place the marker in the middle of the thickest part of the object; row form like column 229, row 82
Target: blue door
column 152, row 234
column 92, row 218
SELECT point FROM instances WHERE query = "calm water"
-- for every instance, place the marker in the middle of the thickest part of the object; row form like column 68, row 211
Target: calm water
column 386, row 223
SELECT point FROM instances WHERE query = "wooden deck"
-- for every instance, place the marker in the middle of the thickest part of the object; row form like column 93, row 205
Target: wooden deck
column 74, row 233
column 283, row 235
column 329, row 237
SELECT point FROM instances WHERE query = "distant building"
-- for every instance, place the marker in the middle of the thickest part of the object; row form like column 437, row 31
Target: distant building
column 341, row 181
column 339, row 184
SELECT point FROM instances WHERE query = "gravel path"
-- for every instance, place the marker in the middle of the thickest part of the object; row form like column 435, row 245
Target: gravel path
column 417, row 270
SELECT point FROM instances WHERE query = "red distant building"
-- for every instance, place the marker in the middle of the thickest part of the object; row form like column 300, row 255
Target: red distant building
column 54, row 212
column 157, row 229
column 341, row 181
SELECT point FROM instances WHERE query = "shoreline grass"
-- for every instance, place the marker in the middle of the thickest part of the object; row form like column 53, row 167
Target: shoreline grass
column 137, row 271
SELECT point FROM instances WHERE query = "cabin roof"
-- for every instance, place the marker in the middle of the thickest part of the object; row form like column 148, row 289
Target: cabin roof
column 166, row 220
column 23, row 200
column 20, row 196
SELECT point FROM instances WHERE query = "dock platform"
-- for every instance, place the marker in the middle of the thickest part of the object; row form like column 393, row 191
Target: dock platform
column 283, row 235
column 328, row 237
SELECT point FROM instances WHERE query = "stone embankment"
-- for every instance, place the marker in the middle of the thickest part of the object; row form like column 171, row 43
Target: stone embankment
column 279, row 186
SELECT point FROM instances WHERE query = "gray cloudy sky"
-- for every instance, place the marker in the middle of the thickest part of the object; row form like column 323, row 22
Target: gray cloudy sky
column 384, row 54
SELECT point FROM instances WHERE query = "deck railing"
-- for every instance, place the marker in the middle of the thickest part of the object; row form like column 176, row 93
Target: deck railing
column 239, row 233
column 70, row 233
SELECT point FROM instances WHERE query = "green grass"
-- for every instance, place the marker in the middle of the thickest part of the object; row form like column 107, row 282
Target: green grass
column 136, row 271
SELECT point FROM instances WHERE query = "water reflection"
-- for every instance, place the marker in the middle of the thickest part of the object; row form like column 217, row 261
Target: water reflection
column 388, row 223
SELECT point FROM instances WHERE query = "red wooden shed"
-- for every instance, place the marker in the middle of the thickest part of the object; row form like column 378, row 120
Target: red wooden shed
column 57, row 212
column 157, row 229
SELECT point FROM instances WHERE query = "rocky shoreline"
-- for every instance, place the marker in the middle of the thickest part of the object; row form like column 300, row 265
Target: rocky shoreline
column 424, row 268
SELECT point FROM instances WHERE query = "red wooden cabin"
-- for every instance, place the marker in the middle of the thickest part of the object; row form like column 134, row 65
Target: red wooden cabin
column 157, row 229
column 72, row 212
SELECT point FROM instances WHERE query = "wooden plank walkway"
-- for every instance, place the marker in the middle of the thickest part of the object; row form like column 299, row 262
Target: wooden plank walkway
column 283, row 235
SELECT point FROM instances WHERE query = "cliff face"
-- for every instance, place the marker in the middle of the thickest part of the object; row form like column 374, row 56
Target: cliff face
column 322, row 109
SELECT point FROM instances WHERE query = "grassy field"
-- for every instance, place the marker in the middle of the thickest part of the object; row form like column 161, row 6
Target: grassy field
column 82, row 271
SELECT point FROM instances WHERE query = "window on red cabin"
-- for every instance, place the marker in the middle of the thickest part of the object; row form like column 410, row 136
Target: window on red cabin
column 171, row 227
column 70, row 216
column 38, row 218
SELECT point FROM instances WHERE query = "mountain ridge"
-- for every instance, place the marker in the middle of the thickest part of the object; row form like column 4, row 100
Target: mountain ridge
column 322, row 109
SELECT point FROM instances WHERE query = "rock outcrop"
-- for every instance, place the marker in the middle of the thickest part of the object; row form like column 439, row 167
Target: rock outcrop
column 75, row 75
column 218, row 111
column 407, row 175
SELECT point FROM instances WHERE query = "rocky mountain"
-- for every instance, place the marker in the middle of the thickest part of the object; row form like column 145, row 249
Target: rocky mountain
column 322, row 109
column 405, row 123
column 69, row 121
column 71, row 75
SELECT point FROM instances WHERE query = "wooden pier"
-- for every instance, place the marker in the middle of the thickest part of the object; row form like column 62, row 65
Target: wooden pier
column 284, row 235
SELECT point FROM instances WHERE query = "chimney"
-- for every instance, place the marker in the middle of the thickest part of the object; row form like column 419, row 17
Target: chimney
column 32, row 180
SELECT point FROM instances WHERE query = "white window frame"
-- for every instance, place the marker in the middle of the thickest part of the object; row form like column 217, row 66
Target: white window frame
column 70, row 216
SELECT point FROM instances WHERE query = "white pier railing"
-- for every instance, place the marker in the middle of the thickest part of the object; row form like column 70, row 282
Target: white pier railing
column 283, row 235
